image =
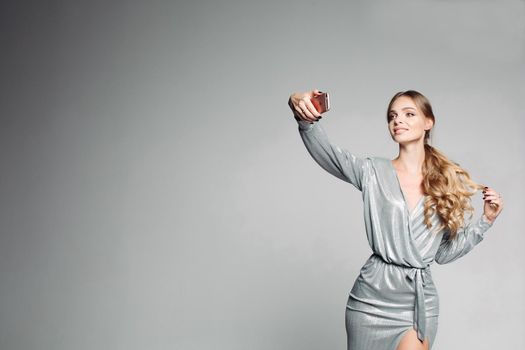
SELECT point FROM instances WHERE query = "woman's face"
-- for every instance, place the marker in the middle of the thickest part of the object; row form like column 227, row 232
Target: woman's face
column 406, row 122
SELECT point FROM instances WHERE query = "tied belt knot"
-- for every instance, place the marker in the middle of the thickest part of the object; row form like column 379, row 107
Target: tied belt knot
column 417, row 275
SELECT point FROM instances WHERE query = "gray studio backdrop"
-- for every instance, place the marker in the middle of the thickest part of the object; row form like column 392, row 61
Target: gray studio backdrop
column 155, row 192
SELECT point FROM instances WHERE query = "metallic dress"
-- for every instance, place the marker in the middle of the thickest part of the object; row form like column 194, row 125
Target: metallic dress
column 394, row 290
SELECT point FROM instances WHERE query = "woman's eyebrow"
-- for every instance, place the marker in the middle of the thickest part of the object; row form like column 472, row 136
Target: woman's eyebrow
column 404, row 109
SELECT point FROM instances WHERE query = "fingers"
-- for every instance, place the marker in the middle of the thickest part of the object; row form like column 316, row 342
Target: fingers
column 309, row 109
column 302, row 110
column 492, row 197
column 302, row 107
column 293, row 104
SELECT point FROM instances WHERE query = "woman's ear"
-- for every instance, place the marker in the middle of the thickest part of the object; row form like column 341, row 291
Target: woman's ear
column 429, row 123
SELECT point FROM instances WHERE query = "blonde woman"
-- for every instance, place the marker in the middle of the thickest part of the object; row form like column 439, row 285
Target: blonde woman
column 414, row 213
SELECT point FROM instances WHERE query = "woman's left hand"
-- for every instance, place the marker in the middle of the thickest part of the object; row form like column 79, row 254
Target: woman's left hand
column 493, row 203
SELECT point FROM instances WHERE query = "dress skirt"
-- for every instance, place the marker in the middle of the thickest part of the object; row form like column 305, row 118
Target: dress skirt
column 369, row 331
column 380, row 306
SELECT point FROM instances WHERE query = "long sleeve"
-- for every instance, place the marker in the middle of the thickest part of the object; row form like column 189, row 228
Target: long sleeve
column 332, row 158
column 464, row 242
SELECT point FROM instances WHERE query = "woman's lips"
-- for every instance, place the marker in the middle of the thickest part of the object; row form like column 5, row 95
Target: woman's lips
column 399, row 131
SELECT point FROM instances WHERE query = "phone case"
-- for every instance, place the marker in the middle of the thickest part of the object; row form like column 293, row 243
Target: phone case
column 321, row 102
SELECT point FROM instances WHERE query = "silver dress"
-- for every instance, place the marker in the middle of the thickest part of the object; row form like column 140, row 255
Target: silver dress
column 394, row 290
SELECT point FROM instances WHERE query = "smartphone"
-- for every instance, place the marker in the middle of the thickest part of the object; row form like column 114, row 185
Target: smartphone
column 321, row 102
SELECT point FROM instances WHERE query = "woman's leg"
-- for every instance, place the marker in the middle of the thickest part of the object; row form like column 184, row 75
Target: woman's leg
column 410, row 341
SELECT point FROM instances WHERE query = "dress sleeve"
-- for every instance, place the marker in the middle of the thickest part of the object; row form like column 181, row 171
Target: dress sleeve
column 332, row 158
column 464, row 242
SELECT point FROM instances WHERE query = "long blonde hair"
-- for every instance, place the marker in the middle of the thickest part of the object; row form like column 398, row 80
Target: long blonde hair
column 447, row 185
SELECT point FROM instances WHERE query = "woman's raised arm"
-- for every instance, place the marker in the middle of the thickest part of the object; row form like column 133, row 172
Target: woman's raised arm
column 332, row 158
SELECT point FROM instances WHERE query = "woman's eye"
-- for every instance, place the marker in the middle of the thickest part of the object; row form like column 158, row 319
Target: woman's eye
column 411, row 114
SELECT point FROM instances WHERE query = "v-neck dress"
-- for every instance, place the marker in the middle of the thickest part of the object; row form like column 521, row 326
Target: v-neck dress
column 394, row 290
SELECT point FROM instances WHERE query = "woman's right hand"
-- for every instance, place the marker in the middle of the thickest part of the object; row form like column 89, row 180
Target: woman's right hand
column 302, row 107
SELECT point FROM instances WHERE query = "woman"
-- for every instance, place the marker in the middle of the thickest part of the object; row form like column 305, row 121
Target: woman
column 414, row 212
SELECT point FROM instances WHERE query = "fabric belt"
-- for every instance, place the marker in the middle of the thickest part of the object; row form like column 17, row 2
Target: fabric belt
column 417, row 275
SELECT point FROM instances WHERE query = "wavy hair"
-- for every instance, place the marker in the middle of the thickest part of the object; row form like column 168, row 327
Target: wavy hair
column 448, row 186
